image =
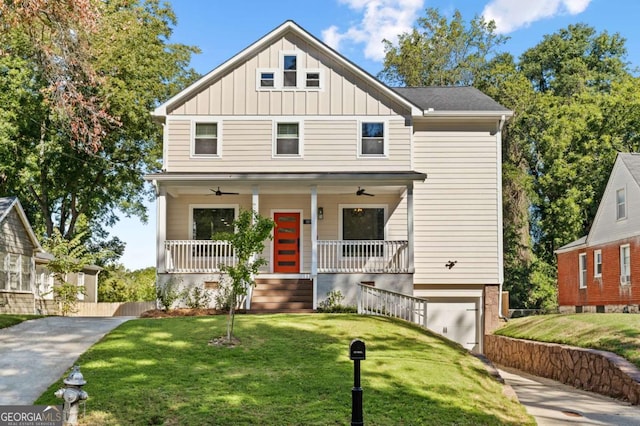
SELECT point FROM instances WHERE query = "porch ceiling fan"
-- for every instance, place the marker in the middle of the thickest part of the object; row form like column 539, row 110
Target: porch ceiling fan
column 218, row 192
column 362, row 191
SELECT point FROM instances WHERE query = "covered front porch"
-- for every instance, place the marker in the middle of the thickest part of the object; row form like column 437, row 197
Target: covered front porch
column 326, row 223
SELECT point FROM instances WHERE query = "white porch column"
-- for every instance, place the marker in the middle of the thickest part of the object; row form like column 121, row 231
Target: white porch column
column 255, row 207
column 314, row 243
column 410, row 236
column 161, row 228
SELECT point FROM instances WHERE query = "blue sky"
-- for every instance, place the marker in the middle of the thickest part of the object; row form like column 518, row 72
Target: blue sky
column 355, row 28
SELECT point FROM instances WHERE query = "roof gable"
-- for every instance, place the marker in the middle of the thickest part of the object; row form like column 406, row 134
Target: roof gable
column 7, row 204
column 624, row 174
column 289, row 27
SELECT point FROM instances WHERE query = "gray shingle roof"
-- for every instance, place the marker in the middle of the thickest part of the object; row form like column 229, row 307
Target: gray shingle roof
column 449, row 98
column 5, row 204
column 632, row 161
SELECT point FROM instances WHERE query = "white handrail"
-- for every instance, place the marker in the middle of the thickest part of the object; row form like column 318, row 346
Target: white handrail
column 364, row 256
column 198, row 255
column 375, row 301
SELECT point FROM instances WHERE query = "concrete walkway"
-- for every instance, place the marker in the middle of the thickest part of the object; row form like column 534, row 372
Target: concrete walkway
column 36, row 353
column 553, row 403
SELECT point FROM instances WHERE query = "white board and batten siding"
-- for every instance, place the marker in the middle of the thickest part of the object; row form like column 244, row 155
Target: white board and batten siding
column 456, row 208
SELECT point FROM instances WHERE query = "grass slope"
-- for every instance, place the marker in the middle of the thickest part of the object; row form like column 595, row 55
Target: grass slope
column 7, row 320
column 617, row 333
column 288, row 370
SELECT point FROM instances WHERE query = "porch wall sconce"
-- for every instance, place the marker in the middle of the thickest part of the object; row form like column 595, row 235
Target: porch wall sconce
column 320, row 213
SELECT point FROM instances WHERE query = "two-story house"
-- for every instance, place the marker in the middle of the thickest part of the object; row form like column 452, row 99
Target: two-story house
column 399, row 188
column 600, row 272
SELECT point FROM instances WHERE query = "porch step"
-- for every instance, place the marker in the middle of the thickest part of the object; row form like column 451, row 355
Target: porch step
column 282, row 295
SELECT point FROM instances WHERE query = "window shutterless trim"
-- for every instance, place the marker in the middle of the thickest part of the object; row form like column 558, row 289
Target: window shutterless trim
column 192, row 137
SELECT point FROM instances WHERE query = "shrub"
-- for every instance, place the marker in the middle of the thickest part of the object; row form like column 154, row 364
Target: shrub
column 333, row 304
column 196, row 298
column 167, row 294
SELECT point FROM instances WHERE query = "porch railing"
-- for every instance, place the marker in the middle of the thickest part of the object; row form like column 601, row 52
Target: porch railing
column 198, row 255
column 375, row 301
column 335, row 256
column 364, row 256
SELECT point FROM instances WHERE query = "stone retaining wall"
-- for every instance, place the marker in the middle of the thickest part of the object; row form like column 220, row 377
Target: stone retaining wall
column 597, row 371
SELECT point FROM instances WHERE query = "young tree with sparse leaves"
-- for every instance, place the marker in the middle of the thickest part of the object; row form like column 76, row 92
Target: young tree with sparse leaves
column 251, row 232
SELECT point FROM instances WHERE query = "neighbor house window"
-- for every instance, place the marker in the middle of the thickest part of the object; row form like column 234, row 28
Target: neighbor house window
column 597, row 263
column 621, row 204
column 312, row 79
column 290, row 71
column 362, row 224
column 583, row 270
column 15, row 272
column 372, row 139
column 205, row 141
column 287, row 141
column 81, row 289
column 625, row 264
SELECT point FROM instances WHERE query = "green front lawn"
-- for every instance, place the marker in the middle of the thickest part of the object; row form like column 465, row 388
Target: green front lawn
column 287, row 370
column 617, row 333
column 7, row 320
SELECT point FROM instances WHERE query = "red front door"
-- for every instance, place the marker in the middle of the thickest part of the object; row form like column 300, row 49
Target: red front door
column 286, row 247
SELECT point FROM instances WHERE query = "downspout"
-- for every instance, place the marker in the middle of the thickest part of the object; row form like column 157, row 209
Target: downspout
column 500, row 218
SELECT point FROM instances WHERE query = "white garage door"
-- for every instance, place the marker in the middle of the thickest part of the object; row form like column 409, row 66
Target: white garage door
column 456, row 319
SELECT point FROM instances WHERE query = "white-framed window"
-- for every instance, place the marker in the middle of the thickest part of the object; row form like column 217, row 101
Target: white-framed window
column 372, row 139
column 206, row 139
column 313, row 79
column 582, row 266
column 621, row 204
column 267, row 79
column 208, row 220
column 44, row 283
column 289, row 70
column 287, row 139
column 361, row 223
column 597, row 263
column 15, row 272
column 625, row 264
column 80, row 284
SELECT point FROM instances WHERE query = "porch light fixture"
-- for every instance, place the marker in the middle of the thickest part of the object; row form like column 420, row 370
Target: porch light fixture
column 357, row 212
column 320, row 213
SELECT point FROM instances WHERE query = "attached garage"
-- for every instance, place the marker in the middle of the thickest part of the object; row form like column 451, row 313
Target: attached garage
column 458, row 317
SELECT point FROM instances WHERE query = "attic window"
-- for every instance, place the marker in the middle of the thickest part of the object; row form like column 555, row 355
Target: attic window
column 267, row 79
column 290, row 74
column 312, row 79
column 621, row 204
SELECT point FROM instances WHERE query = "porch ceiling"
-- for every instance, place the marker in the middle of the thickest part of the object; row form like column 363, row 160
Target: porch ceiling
column 285, row 183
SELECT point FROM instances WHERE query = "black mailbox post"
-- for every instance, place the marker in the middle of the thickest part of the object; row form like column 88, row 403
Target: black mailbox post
column 357, row 353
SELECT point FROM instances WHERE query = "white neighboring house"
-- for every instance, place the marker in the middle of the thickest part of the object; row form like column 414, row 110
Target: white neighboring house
column 399, row 188
column 26, row 285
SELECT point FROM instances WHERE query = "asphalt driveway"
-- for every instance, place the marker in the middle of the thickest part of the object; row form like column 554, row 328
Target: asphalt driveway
column 36, row 353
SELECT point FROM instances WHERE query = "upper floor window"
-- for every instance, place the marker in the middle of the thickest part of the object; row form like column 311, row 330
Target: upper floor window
column 597, row 263
column 621, row 204
column 290, row 71
column 312, row 79
column 267, row 79
column 583, row 270
column 205, row 141
column 625, row 264
column 287, row 141
column 372, row 139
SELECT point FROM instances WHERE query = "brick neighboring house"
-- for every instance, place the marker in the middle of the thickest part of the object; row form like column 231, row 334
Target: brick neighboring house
column 600, row 272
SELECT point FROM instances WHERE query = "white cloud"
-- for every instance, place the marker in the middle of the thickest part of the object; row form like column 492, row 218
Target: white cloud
column 382, row 19
column 511, row 15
